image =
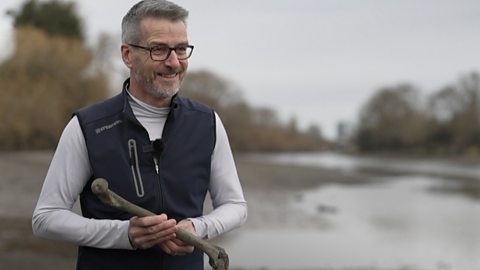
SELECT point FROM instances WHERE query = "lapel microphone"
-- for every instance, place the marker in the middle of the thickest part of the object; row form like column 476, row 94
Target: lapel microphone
column 158, row 147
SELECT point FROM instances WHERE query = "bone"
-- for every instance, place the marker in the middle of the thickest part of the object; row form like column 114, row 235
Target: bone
column 218, row 257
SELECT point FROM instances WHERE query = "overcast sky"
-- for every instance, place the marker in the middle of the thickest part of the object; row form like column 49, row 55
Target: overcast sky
column 315, row 60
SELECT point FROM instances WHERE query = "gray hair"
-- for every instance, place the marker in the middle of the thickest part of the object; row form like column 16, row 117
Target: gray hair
column 160, row 9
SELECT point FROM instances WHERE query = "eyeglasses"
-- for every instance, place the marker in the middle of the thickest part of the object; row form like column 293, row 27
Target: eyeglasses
column 162, row 52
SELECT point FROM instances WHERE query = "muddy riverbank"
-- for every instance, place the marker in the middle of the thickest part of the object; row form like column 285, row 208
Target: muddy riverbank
column 21, row 177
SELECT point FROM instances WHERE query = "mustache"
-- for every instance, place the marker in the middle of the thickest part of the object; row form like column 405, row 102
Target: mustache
column 169, row 71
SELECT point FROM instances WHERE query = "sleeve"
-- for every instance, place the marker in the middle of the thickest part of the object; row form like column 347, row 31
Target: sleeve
column 229, row 205
column 67, row 175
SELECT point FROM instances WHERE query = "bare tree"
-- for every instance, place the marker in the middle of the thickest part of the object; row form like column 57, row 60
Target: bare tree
column 43, row 83
column 392, row 120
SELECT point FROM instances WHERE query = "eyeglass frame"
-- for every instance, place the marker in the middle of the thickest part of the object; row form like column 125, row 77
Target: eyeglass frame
column 170, row 49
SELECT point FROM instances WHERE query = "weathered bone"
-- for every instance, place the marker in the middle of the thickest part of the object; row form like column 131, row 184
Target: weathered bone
column 218, row 258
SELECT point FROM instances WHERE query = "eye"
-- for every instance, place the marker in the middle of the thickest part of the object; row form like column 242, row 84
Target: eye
column 181, row 49
column 160, row 50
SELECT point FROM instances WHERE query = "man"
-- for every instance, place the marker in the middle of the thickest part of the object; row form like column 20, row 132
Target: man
column 157, row 149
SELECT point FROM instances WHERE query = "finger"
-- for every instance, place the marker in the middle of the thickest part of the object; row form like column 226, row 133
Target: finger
column 159, row 236
column 137, row 229
column 167, row 247
column 146, row 237
column 159, row 232
column 149, row 241
column 179, row 247
column 168, row 225
column 149, row 220
column 186, row 247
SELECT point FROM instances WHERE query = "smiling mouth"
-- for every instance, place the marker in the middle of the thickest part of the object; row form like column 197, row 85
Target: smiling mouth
column 168, row 76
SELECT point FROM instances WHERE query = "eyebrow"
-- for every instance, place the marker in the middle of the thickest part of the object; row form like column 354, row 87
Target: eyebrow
column 154, row 44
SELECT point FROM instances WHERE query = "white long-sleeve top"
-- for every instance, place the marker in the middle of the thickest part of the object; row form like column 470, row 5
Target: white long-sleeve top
column 70, row 170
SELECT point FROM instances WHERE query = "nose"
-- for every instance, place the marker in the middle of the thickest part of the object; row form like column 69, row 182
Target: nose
column 172, row 60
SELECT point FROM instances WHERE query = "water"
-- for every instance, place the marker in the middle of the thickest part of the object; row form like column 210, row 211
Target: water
column 352, row 163
column 396, row 222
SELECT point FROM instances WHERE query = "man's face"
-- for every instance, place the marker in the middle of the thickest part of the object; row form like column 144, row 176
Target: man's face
column 158, row 79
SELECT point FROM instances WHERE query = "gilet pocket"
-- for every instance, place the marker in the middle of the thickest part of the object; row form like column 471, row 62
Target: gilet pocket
column 137, row 176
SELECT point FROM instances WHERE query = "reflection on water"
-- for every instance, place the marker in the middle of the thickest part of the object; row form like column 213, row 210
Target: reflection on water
column 351, row 163
column 398, row 223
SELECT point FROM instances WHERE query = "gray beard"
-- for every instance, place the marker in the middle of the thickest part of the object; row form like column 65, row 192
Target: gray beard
column 153, row 89
column 159, row 93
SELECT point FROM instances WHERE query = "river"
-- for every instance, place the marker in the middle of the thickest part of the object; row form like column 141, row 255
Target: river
column 422, row 216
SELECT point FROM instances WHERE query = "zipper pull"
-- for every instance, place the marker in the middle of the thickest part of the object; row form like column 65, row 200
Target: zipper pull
column 156, row 164
column 157, row 151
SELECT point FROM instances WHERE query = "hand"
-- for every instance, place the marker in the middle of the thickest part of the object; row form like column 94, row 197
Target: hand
column 176, row 246
column 145, row 232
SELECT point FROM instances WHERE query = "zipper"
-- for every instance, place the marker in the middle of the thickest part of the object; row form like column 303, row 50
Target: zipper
column 156, row 162
column 137, row 176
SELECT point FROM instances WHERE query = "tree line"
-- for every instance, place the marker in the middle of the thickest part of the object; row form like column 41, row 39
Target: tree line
column 250, row 128
column 53, row 72
column 399, row 119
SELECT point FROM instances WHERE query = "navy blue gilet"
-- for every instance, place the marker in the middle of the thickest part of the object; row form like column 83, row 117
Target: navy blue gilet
column 120, row 151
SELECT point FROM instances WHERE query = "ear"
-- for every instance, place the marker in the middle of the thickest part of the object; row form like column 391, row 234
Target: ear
column 126, row 55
